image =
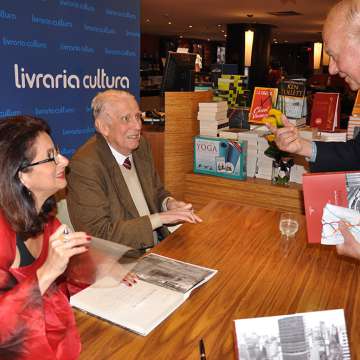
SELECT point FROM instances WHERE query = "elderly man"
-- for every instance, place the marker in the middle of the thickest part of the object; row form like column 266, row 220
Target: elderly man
column 114, row 191
column 341, row 35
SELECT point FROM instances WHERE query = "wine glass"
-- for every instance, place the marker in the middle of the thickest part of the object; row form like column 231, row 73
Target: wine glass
column 288, row 224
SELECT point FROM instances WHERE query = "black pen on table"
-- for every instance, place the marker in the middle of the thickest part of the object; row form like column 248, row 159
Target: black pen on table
column 202, row 350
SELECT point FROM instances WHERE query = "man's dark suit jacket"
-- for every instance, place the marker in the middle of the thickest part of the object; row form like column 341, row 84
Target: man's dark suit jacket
column 337, row 156
column 99, row 201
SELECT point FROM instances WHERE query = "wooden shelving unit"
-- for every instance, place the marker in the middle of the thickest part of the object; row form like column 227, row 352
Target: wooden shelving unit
column 200, row 189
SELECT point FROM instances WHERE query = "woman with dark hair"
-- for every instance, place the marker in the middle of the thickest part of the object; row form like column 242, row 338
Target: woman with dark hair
column 36, row 319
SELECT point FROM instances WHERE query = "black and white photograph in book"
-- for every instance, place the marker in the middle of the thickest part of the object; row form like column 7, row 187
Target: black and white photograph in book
column 319, row 335
column 170, row 273
column 353, row 190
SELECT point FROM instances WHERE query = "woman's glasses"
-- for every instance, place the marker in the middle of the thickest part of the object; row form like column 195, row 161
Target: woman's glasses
column 53, row 155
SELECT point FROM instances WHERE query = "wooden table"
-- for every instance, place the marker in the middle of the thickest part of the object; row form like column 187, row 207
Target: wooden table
column 257, row 277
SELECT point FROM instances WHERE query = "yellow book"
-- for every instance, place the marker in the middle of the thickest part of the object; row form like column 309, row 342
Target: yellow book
column 356, row 108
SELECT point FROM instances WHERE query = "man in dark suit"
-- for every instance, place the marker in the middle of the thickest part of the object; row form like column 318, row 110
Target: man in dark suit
column 114, row 191
column 341, row 35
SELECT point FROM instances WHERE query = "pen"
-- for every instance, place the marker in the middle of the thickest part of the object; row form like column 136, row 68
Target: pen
column 202, row 350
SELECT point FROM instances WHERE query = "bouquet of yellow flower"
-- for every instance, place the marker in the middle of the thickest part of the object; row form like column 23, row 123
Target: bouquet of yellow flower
column 282, row 161
column 274, row 119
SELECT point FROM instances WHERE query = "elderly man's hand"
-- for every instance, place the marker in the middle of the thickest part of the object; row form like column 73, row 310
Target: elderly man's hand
column 288, row 139
column 350, row 247
column 175, row 204
column 179, row 212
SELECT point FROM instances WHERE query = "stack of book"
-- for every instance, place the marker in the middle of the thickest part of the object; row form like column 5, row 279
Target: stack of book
column 264, row 163
column 296, row 173
column 251, row 138
column 338, row 136
column 354, row 120
column 213, row 118
column 252, row 151
column 292, row 101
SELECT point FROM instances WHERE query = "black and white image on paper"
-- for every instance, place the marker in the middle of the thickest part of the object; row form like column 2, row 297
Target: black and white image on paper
column 313, row 335
column 353, row 190
column 172, row 274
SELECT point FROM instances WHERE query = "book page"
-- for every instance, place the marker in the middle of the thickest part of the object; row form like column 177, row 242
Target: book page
column 172, row 274
column 139, row 308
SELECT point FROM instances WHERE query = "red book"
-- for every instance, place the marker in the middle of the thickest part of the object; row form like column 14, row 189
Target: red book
column 263, row 100
column 325, row 112
column 337, row 188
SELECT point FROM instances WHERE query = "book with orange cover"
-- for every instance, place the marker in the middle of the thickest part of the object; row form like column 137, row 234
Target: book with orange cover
column 337, row 188
column 263, row 100
column 325, row 112
column 356, row 108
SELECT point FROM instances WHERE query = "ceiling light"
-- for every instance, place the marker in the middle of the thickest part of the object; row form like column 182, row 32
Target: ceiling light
column 225, row 35
column 219, row 25
column 190, row 26
column 147, row 20
column 208, row 39
column 180, row 36
column 169, row 22
column 222, row 31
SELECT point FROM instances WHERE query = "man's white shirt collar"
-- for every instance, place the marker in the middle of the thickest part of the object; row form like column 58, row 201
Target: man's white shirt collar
column 120, row 158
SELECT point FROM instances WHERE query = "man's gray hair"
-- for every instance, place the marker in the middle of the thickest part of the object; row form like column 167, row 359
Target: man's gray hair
column 102, row 99
column 353, row 18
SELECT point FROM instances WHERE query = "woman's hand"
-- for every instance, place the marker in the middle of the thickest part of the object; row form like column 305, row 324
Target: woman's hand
column 61, row 248
column 130, row 279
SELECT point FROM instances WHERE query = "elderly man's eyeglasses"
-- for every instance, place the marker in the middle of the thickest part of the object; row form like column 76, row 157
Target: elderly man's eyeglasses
column 53, row 155
column 126, row 119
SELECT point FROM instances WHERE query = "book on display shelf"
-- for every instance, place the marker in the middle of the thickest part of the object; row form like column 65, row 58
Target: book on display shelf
column 213, row 129
column 356, row 108
column 163, row 285
column 353, row 128
column 292, row 101
column 220, row 157
column 335, row 136
column 263, row 100
column 211, row 115
column 213, row 106
column 325, row 112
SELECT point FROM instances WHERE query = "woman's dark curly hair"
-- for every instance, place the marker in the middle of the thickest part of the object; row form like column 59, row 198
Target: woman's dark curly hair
column 17, row 137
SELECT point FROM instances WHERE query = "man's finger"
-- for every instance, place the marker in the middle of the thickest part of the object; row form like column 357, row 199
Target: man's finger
column 272, row 128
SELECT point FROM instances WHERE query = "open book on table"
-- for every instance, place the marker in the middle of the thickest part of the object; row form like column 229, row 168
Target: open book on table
column 164, row 284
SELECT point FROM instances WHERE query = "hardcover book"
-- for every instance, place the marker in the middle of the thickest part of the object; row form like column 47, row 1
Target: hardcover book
column 211, row 115
column 292, row 99
column 356, row 108
column 336, row 188
column 220, row 157
column 263, row 100
column 213, row 106
column 325, row 112
column 163, row 285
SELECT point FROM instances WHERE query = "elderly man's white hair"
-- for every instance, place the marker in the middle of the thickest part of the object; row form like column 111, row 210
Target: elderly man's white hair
column 349, row 10
column 105, row 99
